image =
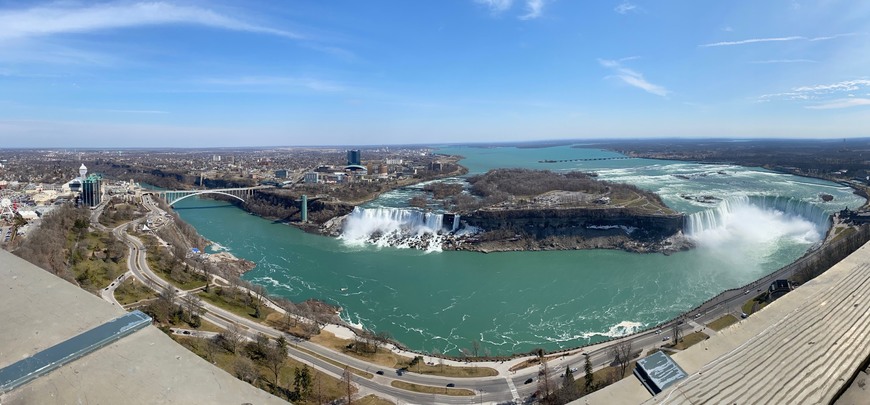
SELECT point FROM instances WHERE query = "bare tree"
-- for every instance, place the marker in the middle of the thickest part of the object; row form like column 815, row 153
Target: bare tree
column 437, row 353
column 245, row 369
column 622, row 357
column 193, row 306
column 165, row 302
column 347, row 383
column 233, row 335
column 544, row 376
column 318, row 388
column 276, row 357
column 678, row 333
column 211, row 348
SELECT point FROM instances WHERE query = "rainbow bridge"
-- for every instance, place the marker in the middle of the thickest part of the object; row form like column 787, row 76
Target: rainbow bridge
column 174, row 196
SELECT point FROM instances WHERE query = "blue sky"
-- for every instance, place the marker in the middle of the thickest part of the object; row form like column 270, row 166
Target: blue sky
column 252, row 73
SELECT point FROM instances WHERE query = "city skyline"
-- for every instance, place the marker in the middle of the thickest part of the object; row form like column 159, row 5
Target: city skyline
column 224, row 74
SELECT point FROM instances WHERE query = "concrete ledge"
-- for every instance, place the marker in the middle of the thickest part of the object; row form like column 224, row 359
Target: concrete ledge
column 147, row 367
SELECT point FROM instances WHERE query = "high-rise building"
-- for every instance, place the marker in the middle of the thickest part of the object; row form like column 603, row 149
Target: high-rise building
column 353, row 157
column 91, row 192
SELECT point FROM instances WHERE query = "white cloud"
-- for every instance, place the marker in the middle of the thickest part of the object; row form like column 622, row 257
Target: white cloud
column 57, row 19
column 633, row 78
column 840, row 103
column 776, row 39
column 534, row 9
column 496, row 6
column 625, row 8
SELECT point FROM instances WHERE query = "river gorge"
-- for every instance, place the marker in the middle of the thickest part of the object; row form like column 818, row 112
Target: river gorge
column 744, row 222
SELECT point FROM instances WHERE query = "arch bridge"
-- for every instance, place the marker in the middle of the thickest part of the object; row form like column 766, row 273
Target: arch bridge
column 174, row 196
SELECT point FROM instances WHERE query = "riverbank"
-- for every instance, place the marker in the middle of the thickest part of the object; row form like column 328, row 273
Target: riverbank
column 617, row 240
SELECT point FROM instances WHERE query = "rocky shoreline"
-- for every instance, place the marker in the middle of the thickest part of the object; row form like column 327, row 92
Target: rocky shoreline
column 667, row 246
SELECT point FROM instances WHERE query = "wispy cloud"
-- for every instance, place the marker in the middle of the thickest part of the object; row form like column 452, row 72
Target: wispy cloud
column 278, row 81
column 534, row 9
column 840, row 103
column 848, row 34
column 830, row 95
column 58, row 19
column 752, row 41
column 496, row 6
column 125, row 111
column 772, row 61
column 776, row 39
column 633, row 78
column 625, row 8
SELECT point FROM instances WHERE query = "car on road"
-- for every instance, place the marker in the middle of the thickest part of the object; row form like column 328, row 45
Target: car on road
column 743, row 315
column 574, row 369
column 380, row 372
column 529, row 381
column 658, row 331
column 666, row 338
column 450, row 385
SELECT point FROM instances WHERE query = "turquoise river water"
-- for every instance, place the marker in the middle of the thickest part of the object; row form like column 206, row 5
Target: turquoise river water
column 517, row 301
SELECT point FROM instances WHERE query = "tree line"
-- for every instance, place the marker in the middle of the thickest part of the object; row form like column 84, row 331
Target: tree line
column 64, row 245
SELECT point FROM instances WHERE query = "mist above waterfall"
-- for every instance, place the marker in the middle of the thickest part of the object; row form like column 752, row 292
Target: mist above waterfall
column 754, row 224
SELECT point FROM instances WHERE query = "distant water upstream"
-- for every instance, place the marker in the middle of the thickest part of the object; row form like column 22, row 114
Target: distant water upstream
column 516, row 301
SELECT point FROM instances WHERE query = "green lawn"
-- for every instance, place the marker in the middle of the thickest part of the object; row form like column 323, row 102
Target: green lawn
column 235, row 306
column 747, row 307
column 690, row 340
column 723, row 322
column 131, row 291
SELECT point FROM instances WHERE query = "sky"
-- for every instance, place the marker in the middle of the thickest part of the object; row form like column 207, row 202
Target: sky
column 344, row 72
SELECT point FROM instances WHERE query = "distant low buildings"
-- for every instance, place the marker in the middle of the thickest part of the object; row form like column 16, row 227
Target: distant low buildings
column 311, row 178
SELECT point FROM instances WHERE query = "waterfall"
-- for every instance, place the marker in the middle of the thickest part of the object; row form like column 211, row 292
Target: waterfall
column 399, row 227
column 758, row 219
